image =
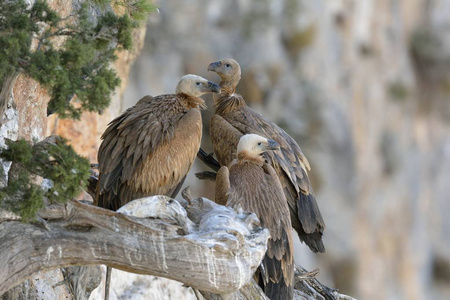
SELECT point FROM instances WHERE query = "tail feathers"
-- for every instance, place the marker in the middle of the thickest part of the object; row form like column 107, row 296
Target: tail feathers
column 313, row 241
column 276, row 282
column 277, row 290
column 309, row 213
column 312, row 224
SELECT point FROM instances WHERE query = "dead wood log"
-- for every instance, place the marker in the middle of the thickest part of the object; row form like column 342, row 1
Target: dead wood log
column 207, row 246
column 217, row 254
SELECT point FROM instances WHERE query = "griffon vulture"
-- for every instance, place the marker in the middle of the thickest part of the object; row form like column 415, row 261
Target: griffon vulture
column 149, row 149
column 232, row 119
column 253, row 185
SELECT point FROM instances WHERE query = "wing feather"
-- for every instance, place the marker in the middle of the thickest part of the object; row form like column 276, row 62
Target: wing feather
column 225, row 138
column 222, row 186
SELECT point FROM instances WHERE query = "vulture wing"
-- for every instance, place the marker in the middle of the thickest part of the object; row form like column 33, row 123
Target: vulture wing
column 225, row 138
column 222, row 186
column 259, row 190
column 289, row 163
column 147, row 150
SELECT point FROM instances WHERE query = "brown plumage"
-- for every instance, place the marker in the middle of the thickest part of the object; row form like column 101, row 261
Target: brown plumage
column 252, row 184
column 149, row 149
column 232, row 119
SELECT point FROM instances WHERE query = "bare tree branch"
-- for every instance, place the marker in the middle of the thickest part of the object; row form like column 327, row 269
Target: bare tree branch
column 217, row 254
column 307, row 287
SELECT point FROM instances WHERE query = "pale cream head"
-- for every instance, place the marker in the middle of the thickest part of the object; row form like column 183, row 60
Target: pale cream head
column 196, row 86
column 254, row 145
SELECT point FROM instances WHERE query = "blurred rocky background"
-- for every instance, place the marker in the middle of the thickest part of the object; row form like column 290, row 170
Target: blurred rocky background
column 364, row 88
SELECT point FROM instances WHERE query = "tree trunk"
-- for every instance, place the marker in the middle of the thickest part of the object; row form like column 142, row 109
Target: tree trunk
column 5, row 92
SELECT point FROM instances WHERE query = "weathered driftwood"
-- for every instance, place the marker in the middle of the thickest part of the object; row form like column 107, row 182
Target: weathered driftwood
column 250, row 291
column 307, row 287
column 207, row 246
column 216, row 254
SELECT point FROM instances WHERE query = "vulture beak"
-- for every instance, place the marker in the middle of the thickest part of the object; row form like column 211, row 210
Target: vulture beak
column 215, row 88
column 213, row 66
column 272, row 145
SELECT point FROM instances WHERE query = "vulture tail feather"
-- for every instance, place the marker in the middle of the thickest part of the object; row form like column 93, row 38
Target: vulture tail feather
column 273, row 282
column 312, row 224
column 309, row 214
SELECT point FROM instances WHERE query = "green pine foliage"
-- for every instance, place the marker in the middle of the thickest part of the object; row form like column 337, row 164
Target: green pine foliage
column 69, row 56
column 137, row 9
column 63, row 169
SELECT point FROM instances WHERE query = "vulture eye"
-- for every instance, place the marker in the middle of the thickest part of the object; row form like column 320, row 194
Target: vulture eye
column 197, row 83
column 228, row 65
column 259, row 143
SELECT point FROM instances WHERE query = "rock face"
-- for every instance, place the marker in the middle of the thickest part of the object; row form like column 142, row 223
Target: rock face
column 363, row 87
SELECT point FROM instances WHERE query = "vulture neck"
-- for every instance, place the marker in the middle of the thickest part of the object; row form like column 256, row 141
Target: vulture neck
column 244, row 156
column 191, row 101
column 227, row 87
column 228, row 101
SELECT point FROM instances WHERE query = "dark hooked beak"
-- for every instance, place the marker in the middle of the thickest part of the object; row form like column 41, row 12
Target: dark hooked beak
column 215, row 88
column 272, row 145
column 213, row 66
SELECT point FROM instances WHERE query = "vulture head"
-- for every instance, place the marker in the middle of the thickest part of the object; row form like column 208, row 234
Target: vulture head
column 196, row 86
column 253, row 145
column 228, row 69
